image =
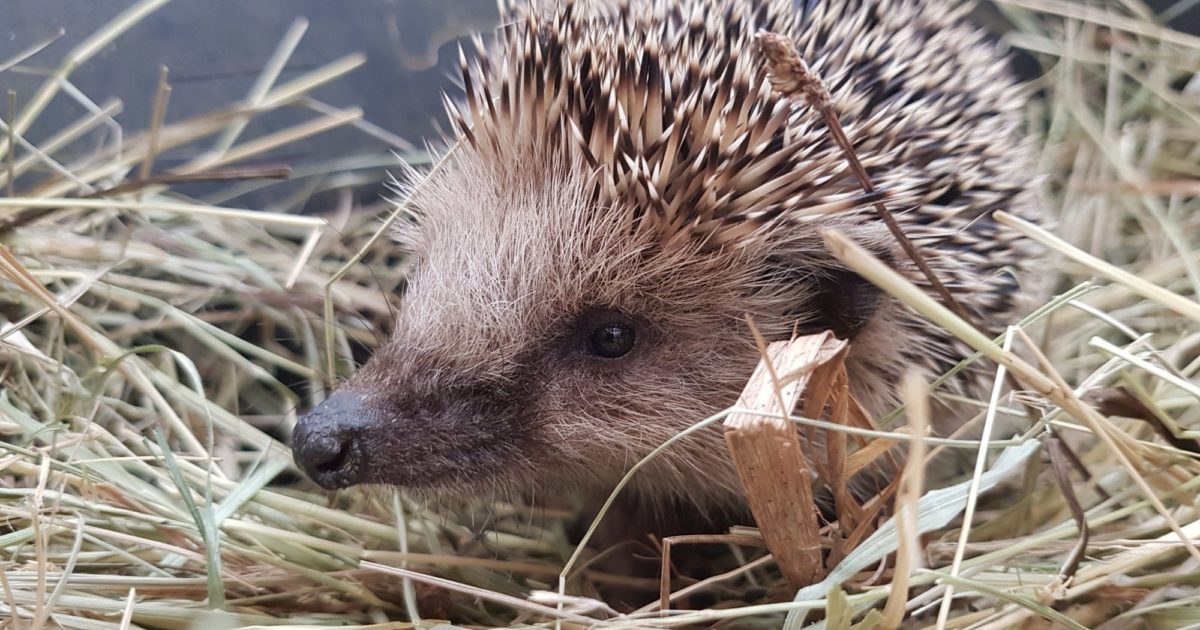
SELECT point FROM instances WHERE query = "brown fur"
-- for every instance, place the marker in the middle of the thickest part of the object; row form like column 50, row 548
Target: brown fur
column 630, row 158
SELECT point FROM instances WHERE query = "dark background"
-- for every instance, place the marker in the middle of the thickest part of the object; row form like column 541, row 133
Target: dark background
column 215, row 49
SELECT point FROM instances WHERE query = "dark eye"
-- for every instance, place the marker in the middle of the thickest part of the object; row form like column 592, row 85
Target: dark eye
column 611, row 341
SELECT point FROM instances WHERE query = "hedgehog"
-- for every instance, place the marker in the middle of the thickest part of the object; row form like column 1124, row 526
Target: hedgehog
column 626, row 202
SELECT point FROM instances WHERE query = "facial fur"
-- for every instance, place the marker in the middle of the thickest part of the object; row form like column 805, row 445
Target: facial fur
column 626, row 164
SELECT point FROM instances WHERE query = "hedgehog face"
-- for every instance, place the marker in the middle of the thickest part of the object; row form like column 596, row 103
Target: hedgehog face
column 545, row 344
column 538, row 333
column 625, row 189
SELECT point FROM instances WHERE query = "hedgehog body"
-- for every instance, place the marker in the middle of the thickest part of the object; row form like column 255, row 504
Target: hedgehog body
column 625, row 188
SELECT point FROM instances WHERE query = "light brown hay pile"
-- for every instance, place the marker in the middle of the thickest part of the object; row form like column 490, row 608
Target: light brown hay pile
column 154, row 348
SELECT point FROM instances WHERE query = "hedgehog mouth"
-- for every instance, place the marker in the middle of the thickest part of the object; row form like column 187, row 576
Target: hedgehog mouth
column 346, row 442
column 450, row 471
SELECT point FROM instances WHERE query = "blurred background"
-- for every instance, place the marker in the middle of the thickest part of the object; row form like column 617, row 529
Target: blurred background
column 215, row 49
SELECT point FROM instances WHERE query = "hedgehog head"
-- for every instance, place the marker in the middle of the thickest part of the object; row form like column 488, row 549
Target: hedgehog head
column 614, row 219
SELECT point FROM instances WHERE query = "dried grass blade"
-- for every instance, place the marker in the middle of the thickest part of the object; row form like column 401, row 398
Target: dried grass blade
column 771, row 461
column 912, row 485
column 1157, row 294
column 204, row 524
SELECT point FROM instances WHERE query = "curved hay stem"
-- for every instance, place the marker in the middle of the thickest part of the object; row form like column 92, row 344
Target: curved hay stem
column 791, row 76
column 612, row 497
column 912, row 485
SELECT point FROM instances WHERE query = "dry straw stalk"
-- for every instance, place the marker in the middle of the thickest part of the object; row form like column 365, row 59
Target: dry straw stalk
column 770, row 459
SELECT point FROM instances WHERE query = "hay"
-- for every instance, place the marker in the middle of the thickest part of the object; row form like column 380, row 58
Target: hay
column 155, row 342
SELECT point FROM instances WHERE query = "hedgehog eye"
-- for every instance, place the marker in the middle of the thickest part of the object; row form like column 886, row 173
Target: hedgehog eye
column 611, row 341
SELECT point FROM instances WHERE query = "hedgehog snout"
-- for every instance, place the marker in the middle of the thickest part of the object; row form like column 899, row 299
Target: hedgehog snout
column 327, row 443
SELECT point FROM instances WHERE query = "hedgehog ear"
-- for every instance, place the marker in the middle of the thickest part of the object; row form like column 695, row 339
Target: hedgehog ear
column 841, row 301
column 832, row 296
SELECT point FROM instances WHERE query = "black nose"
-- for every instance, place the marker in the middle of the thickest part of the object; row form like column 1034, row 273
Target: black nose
column 327, row 442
